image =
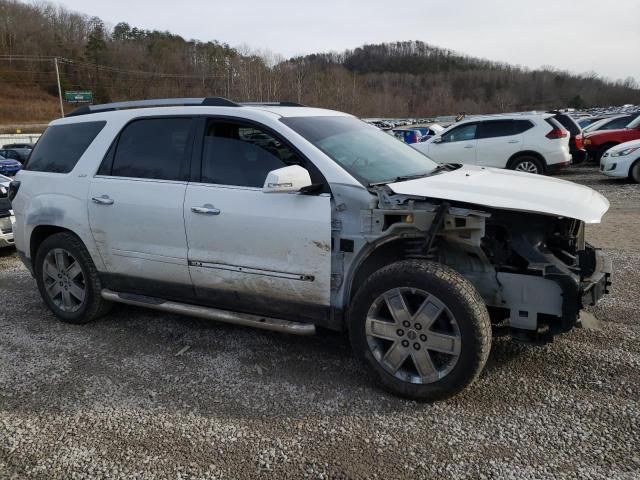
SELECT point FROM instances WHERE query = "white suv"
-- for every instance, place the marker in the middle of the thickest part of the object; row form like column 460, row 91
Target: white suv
column 290, row 218
column 533, row 143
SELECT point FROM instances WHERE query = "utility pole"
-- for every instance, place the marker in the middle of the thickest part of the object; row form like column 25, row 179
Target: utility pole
column 55, row 61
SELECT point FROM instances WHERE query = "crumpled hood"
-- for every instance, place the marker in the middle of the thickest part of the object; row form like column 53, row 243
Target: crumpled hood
column 509, row 190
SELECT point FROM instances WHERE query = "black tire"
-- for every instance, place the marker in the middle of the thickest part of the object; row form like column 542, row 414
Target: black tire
column 601, row 150
column 462, row 301
column 92, row 305
column 519, row 163
column 634, row 172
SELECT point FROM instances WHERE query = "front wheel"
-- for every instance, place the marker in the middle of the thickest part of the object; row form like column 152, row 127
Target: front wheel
column 634, row 172
column 528, row 165
column 421, row 328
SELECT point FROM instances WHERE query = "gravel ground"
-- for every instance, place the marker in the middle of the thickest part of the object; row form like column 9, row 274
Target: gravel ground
column 141, row 394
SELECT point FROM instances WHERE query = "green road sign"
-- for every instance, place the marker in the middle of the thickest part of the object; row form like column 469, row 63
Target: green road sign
column 78, row 97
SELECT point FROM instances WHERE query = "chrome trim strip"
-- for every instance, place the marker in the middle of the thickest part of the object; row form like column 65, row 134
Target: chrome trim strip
column 252, row 271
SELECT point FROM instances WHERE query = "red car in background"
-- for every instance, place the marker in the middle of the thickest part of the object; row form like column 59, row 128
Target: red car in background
column 598, row 142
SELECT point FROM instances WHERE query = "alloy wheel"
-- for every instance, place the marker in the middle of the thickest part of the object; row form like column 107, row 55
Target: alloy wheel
column 413, row 335
column 63, row 280
column 527, row 166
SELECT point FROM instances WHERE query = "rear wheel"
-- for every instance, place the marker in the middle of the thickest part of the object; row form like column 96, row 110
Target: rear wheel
column 527, row 164
column 421, row 329
column 68, row 280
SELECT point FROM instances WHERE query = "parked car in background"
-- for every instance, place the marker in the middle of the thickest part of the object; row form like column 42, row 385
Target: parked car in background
column 622, row 161
column 584, row 122
column 19, row 145
column 430, row 131
column 9, row 166
column 350, row 230
column 534, row 143
column 11, row 154
column 6, row 214
column 610, row 123
column 600, row 141
column 407, row 135
column 578, row 153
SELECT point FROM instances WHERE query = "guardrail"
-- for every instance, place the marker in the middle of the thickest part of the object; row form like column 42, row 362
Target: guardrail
column 19, row 138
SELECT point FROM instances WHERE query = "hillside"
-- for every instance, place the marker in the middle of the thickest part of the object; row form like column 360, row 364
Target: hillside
column 397, row 79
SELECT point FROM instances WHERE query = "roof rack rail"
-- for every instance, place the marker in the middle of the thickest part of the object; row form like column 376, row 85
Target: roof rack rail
column 273, row 104
column 156, row 102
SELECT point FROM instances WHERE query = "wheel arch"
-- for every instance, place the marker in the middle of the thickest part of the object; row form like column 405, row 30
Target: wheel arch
column 371, row 259
column 40, row 233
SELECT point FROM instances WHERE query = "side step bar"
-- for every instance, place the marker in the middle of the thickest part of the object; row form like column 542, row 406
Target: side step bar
column 208, row 313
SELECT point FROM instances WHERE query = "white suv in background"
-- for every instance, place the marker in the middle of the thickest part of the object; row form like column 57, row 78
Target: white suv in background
column 533, row 143
column 286, row 218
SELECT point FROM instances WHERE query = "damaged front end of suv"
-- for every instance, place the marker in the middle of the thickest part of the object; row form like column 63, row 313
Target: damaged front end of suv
column 534, row 270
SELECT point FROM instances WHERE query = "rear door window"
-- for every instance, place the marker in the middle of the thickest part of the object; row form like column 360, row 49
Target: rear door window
column 495, row 128
column 61, row 146
column 153, row 148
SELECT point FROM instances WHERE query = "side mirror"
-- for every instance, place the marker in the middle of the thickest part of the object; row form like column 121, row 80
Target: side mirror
column 437, row 140
column 289, row 179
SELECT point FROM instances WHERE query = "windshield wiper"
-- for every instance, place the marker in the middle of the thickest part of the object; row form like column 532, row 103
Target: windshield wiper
column 440, row 167
column 400, row 179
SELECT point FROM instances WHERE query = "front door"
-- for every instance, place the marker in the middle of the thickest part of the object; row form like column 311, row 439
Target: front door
column 458, row 145
column 136, row 204
column 263, row 253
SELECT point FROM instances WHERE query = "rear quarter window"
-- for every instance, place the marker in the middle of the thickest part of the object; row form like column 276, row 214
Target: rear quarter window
column 61, row 146
column 520, row 126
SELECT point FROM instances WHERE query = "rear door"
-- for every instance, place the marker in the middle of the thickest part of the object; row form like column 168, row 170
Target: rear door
column 458, row 145
column 263, row 253
column 497, row 141
column 136, row 204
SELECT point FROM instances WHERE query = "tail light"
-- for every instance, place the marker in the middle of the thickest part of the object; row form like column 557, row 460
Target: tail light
column 557, row 133
column 579, row 143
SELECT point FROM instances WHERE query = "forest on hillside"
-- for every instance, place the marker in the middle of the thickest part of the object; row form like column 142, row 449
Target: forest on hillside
column 400, row 79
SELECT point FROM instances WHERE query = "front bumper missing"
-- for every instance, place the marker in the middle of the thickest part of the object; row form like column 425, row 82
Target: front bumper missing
column 597, row 285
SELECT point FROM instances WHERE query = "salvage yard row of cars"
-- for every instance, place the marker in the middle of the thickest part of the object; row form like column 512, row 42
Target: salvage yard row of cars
column 533, row 142
column 290, row 218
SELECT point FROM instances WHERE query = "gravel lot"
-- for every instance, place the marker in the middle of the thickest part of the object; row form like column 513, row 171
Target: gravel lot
column 141, row 394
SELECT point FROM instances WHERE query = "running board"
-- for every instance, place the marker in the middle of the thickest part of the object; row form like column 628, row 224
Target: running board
column 265, row 323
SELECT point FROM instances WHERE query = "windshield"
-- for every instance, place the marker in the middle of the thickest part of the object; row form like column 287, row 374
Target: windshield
column 605, row 122
column 635, row 123
column 366, row 152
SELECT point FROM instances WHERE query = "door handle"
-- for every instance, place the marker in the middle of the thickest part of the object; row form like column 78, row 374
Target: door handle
column 206, row 210
column 468, row 146
column 103, row 200
column 513, row 141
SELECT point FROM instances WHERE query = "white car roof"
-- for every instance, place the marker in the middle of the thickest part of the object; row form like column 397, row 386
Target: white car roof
column 507, row 116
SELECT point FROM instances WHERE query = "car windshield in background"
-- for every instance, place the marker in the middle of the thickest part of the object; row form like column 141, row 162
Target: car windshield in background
column 635, row 123
column 366, row 152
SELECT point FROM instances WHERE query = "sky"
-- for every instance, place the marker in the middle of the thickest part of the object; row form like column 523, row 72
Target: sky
column 580, row 36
